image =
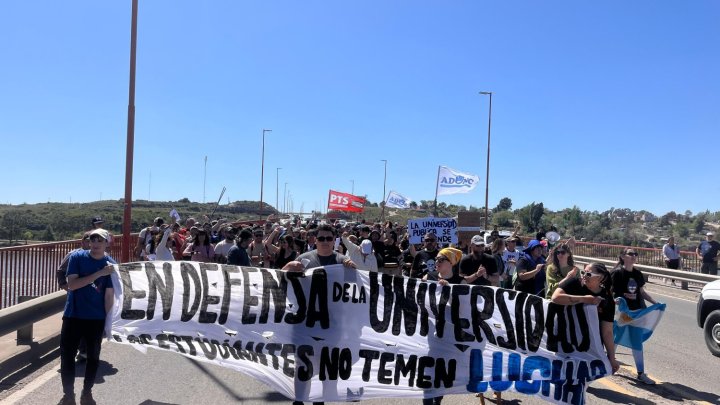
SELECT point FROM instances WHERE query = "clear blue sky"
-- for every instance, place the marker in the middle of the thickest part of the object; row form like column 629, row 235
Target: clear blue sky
column 599, row 105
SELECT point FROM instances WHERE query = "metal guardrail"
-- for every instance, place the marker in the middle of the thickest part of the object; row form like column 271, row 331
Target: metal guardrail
column 27, row 313
column 680, row 275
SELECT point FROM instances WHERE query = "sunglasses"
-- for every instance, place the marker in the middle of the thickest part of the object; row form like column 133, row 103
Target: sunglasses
column 561, row 252
column 96, row 239
column 325, row 238
column 430, row 240
column 590, row 274
column 631, row 254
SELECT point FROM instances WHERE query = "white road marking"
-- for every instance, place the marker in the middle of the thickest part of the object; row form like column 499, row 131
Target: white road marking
column 28, row 388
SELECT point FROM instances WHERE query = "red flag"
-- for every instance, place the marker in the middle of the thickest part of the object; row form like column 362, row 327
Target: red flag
column 345, row 202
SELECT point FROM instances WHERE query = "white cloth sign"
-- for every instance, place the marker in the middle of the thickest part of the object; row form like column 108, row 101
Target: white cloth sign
column 174, row 214
column 444, row 228
column 451, row 181
column 397, row 200
column 338, row 334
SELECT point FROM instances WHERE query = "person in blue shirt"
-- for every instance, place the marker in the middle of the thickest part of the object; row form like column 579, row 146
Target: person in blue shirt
column 89, row 299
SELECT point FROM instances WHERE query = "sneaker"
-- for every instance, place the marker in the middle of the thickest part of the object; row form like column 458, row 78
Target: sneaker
column 81, row 357
column 86, row 398
column 642, row 377
column 67, row 399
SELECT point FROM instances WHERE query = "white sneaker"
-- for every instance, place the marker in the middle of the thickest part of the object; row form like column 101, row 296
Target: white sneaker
column 642, row 377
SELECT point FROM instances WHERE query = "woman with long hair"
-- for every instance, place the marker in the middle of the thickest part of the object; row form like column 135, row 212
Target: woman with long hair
column 200, row 250
column 284, row 253
column 562, row 266
column 592, row 288
column 497, row 249
column 628, row 283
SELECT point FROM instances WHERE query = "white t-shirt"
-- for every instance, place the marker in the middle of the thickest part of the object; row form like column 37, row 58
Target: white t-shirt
column 510, row 255
column 223, row 247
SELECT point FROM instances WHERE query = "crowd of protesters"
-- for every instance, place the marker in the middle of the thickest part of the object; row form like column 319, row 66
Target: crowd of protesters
column 540, row 268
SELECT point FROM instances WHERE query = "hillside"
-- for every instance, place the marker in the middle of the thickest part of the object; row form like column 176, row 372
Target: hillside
column 63, row 221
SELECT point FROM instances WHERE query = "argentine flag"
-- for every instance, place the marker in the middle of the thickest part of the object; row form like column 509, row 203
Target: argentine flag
column 632, row 328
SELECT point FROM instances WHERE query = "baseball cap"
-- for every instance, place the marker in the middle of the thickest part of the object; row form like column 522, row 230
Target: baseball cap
column 159, row 221
column 477, row 240
column 710, row 234
column 97, row 220
column 101, row 233
column 366, row 246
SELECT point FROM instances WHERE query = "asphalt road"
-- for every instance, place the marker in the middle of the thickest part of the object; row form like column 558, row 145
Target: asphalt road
column 675, row 356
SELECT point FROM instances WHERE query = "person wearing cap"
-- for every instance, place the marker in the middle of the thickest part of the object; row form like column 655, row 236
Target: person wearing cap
column 424, row 260
column 530, row 270
column 478, row 267
column 510, row 257
column 708, row 252
column 362, row 255
column 90, row 297
column 61, row 276
column 97, row 223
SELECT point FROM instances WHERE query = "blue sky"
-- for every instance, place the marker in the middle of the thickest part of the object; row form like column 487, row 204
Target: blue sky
column 599, row 105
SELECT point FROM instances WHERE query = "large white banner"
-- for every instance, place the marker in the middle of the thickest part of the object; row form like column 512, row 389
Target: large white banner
column 338, row 334
column 451, row 181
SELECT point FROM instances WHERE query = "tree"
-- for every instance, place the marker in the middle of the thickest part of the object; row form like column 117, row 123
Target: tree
column 49, row 235
column 536, row 214
column 503, row 218
column 698, row 224
column 504, row 205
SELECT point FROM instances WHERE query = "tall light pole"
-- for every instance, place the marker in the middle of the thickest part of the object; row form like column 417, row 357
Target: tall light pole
column 487, row 168
column 262, row 169
column 353, row 187
column 285, row 198
column 277, row 188
column 129, row 149
column 382, row 215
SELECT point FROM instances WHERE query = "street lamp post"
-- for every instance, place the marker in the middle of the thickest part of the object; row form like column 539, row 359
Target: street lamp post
column 487, row 168
column 277, row 188
column 382, row 215
column 130, row 141
column 262, row 169
column 285, row 198
column 353, row 187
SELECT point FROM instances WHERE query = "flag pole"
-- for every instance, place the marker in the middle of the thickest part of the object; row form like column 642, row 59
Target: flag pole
column 436, row 191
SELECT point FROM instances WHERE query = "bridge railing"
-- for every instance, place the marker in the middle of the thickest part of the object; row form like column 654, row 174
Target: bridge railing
column 29, row 270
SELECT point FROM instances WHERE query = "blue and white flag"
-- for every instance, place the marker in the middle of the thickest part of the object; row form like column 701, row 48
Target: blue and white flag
column 451, row 181
column 632, row 328
column 397, row 200
column 174, row 214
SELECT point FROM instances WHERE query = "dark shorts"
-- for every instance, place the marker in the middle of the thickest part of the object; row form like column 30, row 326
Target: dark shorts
column 673, row 263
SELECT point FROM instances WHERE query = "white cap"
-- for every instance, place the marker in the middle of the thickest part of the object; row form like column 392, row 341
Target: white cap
column 710, row 234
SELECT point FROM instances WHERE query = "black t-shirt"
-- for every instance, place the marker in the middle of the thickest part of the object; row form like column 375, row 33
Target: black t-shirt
column 455, row 279
column 606, row 309
column 424, row 262
column 627, row 284
column 708, row 250
column 281, row 260
column 469, row 264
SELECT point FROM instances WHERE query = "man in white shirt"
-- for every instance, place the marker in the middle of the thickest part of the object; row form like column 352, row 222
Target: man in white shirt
column 510, row 257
